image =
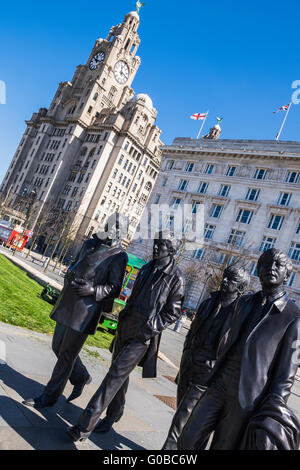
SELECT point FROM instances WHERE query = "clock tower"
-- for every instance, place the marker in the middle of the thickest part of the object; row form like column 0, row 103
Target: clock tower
column 96, row 149
column 105, row 81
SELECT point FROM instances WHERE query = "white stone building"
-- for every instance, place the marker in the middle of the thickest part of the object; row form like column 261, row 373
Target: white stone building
column 251, row 195
column 96, row 150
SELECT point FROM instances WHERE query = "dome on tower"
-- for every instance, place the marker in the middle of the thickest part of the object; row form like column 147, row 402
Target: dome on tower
column 133, row 13
column 143, row 98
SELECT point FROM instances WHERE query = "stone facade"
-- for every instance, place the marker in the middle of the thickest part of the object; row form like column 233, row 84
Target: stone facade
column 96, row 150
column 251, row 195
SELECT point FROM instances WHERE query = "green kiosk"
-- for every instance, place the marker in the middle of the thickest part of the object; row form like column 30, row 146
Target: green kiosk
column 110, row 320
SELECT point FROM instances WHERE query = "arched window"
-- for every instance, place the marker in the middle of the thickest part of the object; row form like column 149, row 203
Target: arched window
column 92, row 152
column 112, row 93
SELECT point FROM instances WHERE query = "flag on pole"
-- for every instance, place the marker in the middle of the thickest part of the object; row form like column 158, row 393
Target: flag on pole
column 285, row 107
column 199, row 116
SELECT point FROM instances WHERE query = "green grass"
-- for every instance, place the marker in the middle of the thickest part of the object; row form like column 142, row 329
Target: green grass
column 21, row 304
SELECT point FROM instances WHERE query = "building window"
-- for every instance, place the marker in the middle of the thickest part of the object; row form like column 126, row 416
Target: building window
column 164, row 181
column 244, row 216
column 90, row 109
column 202, row 188
column 236, row 237
column 275, row 222
column 253, row 269
column 222, row 258
column 126, row 145
column 267, row 243
column 224, row 190
column 209, row 231
column 115, row 173
column 294, row 251
column 284, row 199
column 125, row 164
column 170, row 164
column 199, row 254
column 190, row 167
column 157, row 198
column 209, row 169
column 292, row 177
column 298, row 228
column 69, row 205
column 120, row 159
column 195, row 205
column 99, row 150
column 231, row 171
column 260, row 174
column 291, row 280
column 134, row 187
column 252, row 194
column 215, row 211
column 183, row 185
column 95, row 97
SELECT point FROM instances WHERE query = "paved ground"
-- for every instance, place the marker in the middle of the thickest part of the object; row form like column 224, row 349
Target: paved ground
column 29, row 362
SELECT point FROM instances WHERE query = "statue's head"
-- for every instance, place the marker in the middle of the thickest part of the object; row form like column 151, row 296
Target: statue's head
column 164, row 245
column 235, row 280
column 274, row 268
column 116, row 227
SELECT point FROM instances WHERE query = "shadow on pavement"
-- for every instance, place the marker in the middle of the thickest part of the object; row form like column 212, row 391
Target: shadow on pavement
column 45, row 429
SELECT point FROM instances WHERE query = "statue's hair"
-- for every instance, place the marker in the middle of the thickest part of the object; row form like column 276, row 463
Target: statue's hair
column 172, row 243
column 275, row 252
column 242, row 276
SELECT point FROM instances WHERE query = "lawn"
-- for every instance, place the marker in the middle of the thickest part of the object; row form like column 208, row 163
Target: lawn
column 21, row 304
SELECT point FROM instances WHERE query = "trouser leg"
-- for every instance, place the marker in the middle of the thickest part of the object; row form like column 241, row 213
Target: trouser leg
column 79, row 372
column 202, row 421
column 182, row 386
column 130, row 355
column 231, row 426
column 70, row 347
column 116, row 407
column 183, row 412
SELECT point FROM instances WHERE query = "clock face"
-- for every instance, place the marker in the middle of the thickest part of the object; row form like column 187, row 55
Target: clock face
column 121, row 72
column 96, row 60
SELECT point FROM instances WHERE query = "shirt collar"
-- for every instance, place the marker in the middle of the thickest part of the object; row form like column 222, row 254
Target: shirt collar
column 279, row 300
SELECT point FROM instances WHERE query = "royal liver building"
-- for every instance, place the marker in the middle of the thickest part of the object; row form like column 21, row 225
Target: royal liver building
column 95, row 151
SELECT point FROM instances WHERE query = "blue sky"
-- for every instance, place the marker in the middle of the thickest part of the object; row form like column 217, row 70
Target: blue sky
column 237, row 59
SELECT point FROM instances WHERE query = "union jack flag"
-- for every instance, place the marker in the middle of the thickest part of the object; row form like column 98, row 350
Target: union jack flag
column 285, row 107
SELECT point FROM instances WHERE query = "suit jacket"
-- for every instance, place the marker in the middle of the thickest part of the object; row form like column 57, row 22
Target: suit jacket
column 201, row 325
column 272, row 427
column 104, row 268
column 270, row 360
column 164, row 303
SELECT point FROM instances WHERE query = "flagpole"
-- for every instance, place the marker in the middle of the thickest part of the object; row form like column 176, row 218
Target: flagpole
column 199, row 133
column 287, row 112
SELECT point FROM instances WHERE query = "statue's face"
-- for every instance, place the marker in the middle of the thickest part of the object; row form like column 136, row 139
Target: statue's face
column 273, row 270
column 160, row 249
column 230, row 283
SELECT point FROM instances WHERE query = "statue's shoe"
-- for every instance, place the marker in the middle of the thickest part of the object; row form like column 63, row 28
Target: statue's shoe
column 40, row 402
column 78, row 389
column 105, row 425
column 75, row 434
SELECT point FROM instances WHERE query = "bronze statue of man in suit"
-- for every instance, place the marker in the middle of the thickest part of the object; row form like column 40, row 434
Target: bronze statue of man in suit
column 211, row 323
column 255, row 370
column 154, row 304
column 91, row 284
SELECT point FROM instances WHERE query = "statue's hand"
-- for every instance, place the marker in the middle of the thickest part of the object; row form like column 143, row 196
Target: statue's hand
column 82, row 288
